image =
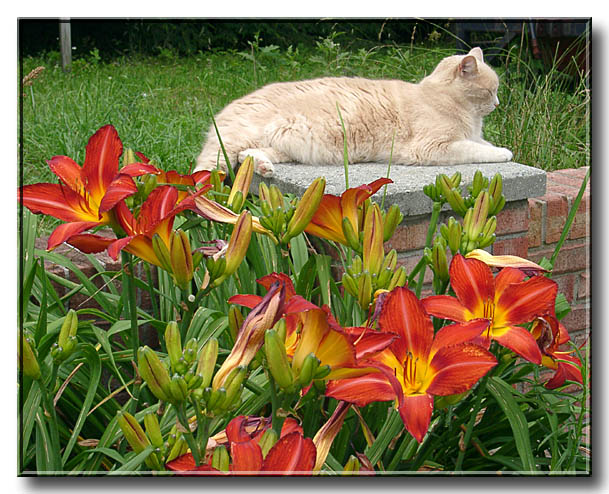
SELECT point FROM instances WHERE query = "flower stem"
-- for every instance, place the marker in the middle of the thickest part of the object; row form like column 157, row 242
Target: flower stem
column 433, row 223
column 192, row 444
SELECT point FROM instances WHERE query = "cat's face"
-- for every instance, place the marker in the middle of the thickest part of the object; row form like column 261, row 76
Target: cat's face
column 472, row 79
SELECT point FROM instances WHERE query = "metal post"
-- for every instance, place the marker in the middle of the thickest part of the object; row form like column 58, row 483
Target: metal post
column 65, row 41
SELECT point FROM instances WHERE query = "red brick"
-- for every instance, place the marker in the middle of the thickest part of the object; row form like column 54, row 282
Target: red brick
column 513, row 218
column 580, row 227
column 579, row 173
column 557, row 209
column 571, row 258
column 566, row 285
column 578, row 319
column 564, row 179
column 517, row 246
column 409, row 236
column 583, row 287
column 535, row 222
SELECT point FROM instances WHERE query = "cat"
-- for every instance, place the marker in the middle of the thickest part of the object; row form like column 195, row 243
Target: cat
column 437, row 121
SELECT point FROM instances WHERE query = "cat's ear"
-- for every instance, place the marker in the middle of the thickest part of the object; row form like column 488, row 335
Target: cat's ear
column 477, row 52
column 468, row 66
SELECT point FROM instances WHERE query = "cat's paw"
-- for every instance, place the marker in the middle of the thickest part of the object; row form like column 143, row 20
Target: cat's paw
column 504, row 154
column 262, row 164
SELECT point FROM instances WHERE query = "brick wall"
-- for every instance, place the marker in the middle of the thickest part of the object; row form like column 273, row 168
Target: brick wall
column 531, row 229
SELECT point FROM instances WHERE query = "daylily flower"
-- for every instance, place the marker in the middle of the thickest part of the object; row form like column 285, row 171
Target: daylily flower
column 156, row 217
column 528, row 267
column 327, row 222
column 291, row 454
column 313, row 329
column 418, row 365
column 86, row 195
column 506, row 300
column 551, row 335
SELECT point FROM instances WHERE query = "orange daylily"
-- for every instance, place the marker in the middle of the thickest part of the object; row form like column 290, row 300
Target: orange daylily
column 327, row 222
column 528, row 267
column 86, row 195
column 291, row 454
column 418, row 365
column 551, row 335
column 313, row 329
column 506, row 300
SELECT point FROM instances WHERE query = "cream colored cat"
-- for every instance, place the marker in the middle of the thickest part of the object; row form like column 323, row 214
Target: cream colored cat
column 435, row 122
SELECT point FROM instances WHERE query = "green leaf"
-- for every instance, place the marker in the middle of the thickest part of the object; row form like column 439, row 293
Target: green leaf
column 503, row 394
column 134, row 463
column 299, row 252
column 393, row 425
column 93, row 361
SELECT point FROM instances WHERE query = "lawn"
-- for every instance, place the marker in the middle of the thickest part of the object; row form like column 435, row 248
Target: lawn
column 162, row 105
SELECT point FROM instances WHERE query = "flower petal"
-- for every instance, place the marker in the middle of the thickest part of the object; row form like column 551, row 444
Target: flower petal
column 455, row 334
column 120, row 188
column 367, row 341
column 520, row 341
column 327, row 220
column 90, row 243
column 457, row 368
column 55, row 200
column 472, row 282
column 67, row 230
column 68, row 171
column 505, row 278
column 403, row 314
column 361, row 390
column 186, row 463
column 293, row 453
column 522, row 302
column 101, row 161
column 526, row 266
column 416, row 414
column 446, row 307
column 246, row 457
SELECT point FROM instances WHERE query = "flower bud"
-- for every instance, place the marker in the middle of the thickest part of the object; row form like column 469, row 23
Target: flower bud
column 235, row 320
column 455, row 233
column 27, row 359
column 215, row 267
column 478, row 183
column 207, row 361
column 220, row 459
column 452, row 195
column 349, row 285
column 456, row 179
column 364, row 291
column 351, row 466
column 190, row 350
column 133, row 432
column 373, row 240
column 154, row 373
column 307, row 206
column 479, row 215
column 161, row 252
column 276, row 197
column 356, row 267
column 267, row 441
column 391, row 260
column 497, row 199
column 308, row 369
column 277, row 360
column 322, row 372
column 68, row 328
column 180, row 446
column 233, row 386
column 214, row 398
column 173, row 342
column 488, row 232
column 238, row 243
column 153, row 429
column 439, row 261
column 281, row 328
column 351, row 235
column 178, row 389
column 241, row 185
column 433, row 192
column 215, row 179
column 181, row 258
column 392, row 219
column 398, row 278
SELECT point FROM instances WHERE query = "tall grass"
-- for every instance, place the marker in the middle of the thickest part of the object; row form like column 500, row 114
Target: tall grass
column 161, row 105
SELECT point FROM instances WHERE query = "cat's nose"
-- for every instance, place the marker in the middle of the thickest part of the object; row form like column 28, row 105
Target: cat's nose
column 496, row 102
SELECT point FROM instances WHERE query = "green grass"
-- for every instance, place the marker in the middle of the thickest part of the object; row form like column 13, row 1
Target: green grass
column 160, row 106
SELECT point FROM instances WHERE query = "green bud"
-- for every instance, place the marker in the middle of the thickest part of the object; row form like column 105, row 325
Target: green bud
column 452, row 195
column 478, row 183
column 68, row 328
column 197, row 257
column 27, row 359
column 238, row 243
column 356, row 267
column 352, row 465
column 349, row 285
column 398, row 278
column 215, row 267
column 180, row 446
column 372, row 248
column 237, row 201
column 161, row 252
column 308, row 369
column 364, row 291
column 220, row 459
column 479, row 216
column 497, row 206
column 241, row 185
column 456, row 179
column 393, row 217
column 207, row 361
column 235, row 321
column 321, row 372
column 384, row 278
column 181, row 258
column 154, row 373
column 495, row 191
column 391, row 260
column 153, row 429
column 276, row 197
column 234, row 386
column 439, row 261
column 215, row 398
column 455, row 233
column 307, row 206
column 133, row 432
column 281, row 328
column 173, row 342
column 352, row 237
column 277, row 359
column 190, row 350
column 178, row 389
column 267, row 441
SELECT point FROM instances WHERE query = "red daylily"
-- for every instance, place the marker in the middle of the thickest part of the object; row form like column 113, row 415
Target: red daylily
column 417, row 365
column 551, row 335
column 156, row 216
column 291, row 454
column 86, row 194
column 506, row 300
column 327, row 222
column 313, row 329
